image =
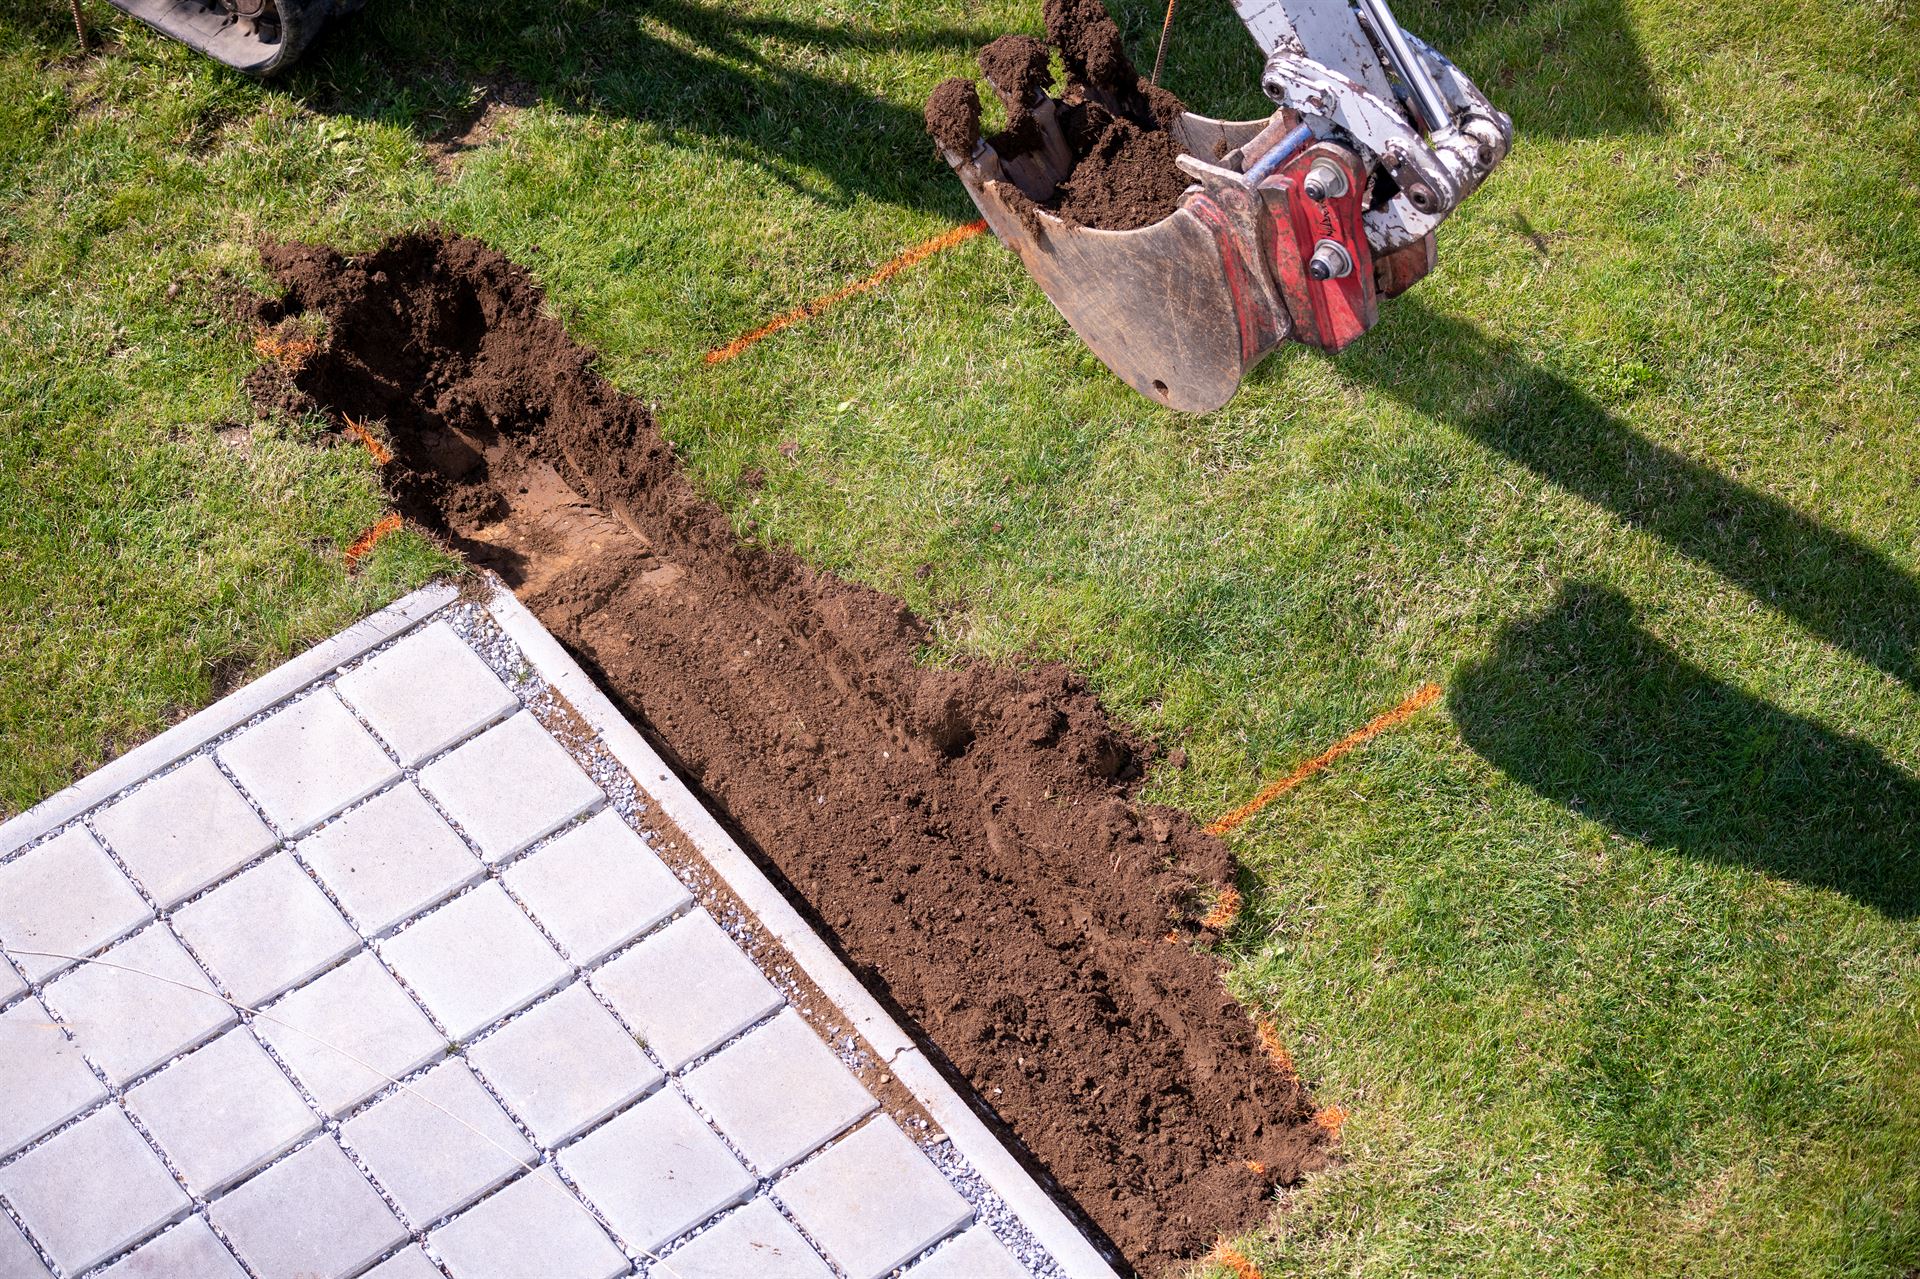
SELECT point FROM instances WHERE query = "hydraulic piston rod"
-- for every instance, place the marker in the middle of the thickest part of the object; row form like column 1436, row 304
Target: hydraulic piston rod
column 1407, row 64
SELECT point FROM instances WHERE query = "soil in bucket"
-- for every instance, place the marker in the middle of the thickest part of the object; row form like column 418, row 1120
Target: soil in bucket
column 1117, row 125
column 968, row 837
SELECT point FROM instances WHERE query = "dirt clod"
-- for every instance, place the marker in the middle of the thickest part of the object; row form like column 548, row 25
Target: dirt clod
column 1017, row 66
column 968, row 835
column 953, row 116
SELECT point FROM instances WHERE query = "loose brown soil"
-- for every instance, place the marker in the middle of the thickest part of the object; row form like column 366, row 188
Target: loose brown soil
column 1116, row 124
column 953, row 115
column 968, row 837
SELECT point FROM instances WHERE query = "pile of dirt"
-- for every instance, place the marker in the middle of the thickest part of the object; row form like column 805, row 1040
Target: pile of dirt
column 967, row 837
column 1116, row 125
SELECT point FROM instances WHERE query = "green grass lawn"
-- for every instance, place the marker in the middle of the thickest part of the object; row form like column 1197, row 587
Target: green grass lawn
column 1612, row 960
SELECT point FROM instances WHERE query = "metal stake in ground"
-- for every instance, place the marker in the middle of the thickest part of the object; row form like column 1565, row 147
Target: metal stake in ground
column 1159, row 55
column 79, row 24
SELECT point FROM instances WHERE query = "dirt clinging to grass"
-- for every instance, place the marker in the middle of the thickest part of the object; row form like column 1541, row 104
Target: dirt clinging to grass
column 968, row 836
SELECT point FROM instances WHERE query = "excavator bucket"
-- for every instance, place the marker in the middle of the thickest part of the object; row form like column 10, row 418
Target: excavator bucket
column 1183, row 308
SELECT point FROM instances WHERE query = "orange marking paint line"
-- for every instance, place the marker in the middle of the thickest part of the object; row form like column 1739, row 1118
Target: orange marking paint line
column 289, row 353
column 1224, row 911
column 1425, row 697
column 1228, row 1257
column 918, row 253
column 1270, row 1040
column 1331, row 1119
column 381, row 453
column 388, row 523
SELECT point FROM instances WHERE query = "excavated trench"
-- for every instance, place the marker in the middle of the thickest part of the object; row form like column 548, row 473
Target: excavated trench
column 968, row 836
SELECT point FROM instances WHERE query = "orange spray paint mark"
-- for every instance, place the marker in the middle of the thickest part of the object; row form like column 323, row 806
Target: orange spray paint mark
column 1224, row 911
column 290, row 353
column 1331, row 1119
column 1270, row 1040
column 1425, row 697
column 1255, row 1167
column 381, row 453
column 918, row 253
column 1231, row 1258
column 388, row 523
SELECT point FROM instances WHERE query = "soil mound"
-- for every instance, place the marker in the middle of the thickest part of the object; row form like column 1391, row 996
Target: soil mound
column 966, row 836
column 1117, row 125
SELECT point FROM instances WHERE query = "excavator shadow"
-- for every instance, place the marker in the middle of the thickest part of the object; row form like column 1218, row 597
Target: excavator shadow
column 1828, row 581
column 1585, row 707
column 797, row 99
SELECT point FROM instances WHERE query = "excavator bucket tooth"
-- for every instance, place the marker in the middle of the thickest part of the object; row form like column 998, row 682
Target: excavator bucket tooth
column 1180, row 309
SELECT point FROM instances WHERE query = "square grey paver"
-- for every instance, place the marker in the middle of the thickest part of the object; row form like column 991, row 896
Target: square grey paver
column 425, row 693
column 389, row 858
column 755, row 1240
column 307, row 761
column 656, row 1171
column 11, row 987
column 687, row 989
column 189, row 1250
column 181, row 832
column 65, row 896
column 438, row 1143
column 509, row 786
column 779, row 1093
column 974, row 1255
column 564, row 1065
column 597, row 887
column 264, row 930
column 475, row 960
column 221, row 1111
column 408, row 1263
column 533, row 1227
column 92, row 1190
column 348, row 1034
column 129, row 1022
column 310, row 1216
column 874, row 1201
column 43, row 1080
column 18, row 1260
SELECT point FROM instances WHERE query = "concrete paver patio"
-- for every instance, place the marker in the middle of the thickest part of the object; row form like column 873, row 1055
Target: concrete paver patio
column 411, row 959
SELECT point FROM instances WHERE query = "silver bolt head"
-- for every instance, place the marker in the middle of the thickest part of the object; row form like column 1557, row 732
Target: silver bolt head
column 1325, row 181
column 1330, row 261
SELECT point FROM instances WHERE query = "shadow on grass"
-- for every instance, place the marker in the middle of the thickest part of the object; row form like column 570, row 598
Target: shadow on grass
column 781, row 93
column 1583, row 706
column 1828, row 581
column 785, row 94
